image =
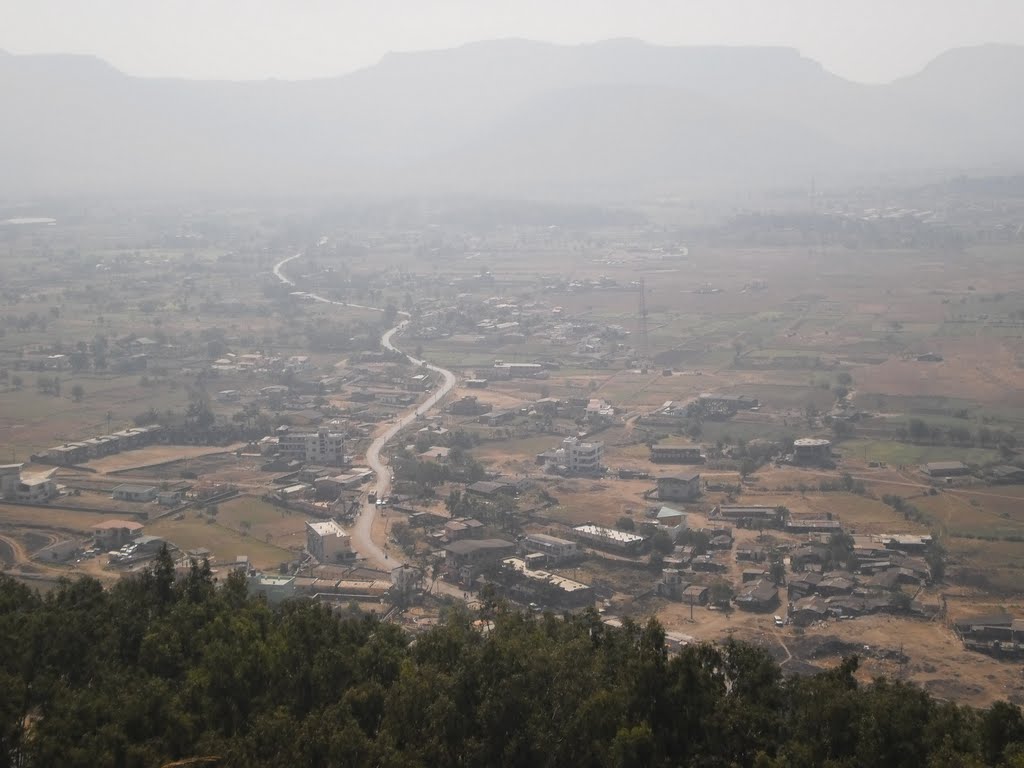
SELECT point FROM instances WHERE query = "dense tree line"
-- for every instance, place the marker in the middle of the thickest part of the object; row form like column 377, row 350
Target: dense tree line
column 157, row 669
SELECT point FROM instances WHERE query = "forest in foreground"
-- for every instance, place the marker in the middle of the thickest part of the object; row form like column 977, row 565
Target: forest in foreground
column 156, row 670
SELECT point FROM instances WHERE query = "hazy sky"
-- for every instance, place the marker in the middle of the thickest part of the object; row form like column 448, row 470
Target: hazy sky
column 869, row 40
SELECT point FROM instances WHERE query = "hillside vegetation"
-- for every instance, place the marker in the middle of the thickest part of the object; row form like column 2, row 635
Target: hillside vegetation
column 153, row 671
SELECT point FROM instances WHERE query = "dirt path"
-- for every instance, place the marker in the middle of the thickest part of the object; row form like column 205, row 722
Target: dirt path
column 362, row 532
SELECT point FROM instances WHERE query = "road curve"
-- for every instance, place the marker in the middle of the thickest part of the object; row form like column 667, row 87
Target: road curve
column 362, row 532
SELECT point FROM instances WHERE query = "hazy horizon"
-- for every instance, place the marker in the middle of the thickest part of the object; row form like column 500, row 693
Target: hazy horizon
column 868, row 41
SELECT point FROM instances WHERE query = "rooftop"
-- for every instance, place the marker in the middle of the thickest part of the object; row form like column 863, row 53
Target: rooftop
column 608, row 533
column 107, row 525
column 327, row 528
column 566, row 585
column 547, row 539
column 468, row 546
column 129, row 488
column 688, row 477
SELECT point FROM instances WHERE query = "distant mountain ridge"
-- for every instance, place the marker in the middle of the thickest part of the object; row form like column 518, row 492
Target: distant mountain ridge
column 508, row 117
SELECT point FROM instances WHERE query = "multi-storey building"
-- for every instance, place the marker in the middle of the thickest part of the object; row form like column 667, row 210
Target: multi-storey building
column 581, row 457
column 320, row 447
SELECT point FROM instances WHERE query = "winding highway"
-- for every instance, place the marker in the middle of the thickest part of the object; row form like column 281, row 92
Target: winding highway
column 362, row 532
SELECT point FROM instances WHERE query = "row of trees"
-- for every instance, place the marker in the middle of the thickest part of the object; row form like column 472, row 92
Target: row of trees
column 156, row 670
column 920, row 431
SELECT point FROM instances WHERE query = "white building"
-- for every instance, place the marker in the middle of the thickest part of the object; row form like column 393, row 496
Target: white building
column 327, row 541
column 320, row 447
column 10, row 477
column 32, row 488
column 609, row 538
column 553, row 548
column 129, row 492
column 585, row 458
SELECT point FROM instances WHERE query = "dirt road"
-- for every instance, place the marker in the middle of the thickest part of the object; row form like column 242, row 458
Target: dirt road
column 362, row 532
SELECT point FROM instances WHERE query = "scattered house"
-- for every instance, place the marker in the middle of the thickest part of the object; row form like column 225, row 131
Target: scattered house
column 491, row 488
column 671, row 519
column 997, row 635
column 761, row 595
column 679, row 487
column 676, row 453
column 295, row 491
column 547, row 588
column 114, row 534
column 695, row 594
column 129, row 492
column 463, row 528
column 475, row 383
column 748, row 516
column 812, row 525
column 807, row 555
column 832, row 584
column 465, row 559
column 610, row 538
column 753, row 574
column 671, row 584
column 1007, row 474
column 469, row 406
column 803, row 583
column 904, row 542
column 229, row 396
column 808, row 610
column 146, row 546
column 554, row 549
column 328, row 542
column 497, row 418
column 275, row 589
column 170, row 498
column 726, row 405
column 58, row 552
column 517, row 370
column 751, row 554
column 945, row 469
column 706, row 564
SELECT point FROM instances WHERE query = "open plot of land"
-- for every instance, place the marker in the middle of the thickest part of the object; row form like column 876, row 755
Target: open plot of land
column 263, row 521
column 155, row 454
column 194, row 532
column 49, row 517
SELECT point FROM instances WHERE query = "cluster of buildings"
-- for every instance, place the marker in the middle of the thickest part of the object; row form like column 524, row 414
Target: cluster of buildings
column 997, row 634
column 70, row 454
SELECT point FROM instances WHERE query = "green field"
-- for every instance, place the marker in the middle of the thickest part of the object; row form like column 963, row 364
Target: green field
column 894, row 452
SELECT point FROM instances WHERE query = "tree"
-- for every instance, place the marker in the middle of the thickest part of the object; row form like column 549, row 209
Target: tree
column 77, row 393
column 662, row 542
column 747, row 467
column 625, row 524
column 720, row 592
column 17, row 382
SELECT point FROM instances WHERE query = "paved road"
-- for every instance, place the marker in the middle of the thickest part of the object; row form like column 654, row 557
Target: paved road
column 362, row 532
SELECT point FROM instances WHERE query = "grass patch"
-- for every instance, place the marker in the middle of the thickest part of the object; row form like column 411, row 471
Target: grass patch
column 894, row 452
